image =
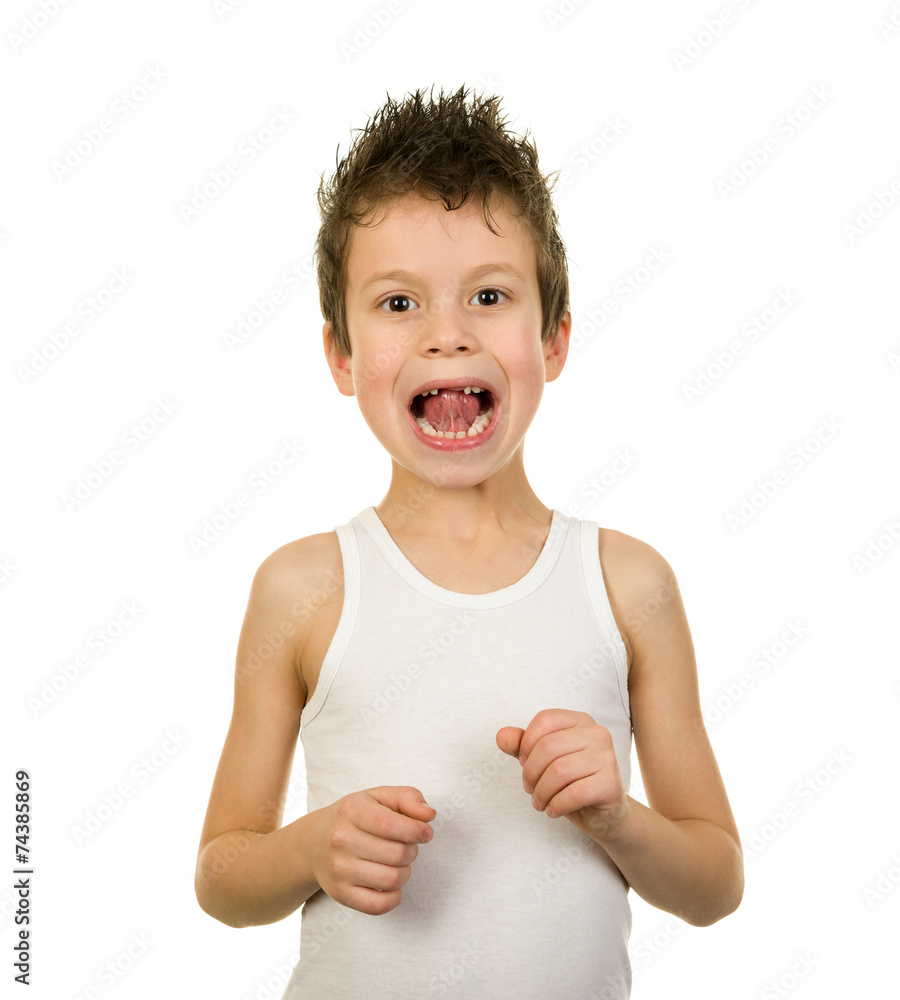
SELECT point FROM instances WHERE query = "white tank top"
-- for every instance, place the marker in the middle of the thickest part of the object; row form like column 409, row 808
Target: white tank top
column 504, row 902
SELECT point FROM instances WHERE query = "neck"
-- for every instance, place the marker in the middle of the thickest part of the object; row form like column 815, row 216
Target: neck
column 505, row 502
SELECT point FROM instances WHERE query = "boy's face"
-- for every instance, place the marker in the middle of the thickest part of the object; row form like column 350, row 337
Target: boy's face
column 465, row 311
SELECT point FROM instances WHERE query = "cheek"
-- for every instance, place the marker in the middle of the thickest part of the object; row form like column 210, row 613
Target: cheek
column 377, row 358
column 527, row 364
column 373, row 382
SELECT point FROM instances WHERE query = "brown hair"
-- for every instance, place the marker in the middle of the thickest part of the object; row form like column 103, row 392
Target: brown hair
column 444, row 149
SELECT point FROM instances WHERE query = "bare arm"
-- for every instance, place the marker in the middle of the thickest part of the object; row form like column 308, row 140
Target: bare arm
column 245, row 878
column 683, row 854
column 359, row 849
column 250, row 870
column 690, row 867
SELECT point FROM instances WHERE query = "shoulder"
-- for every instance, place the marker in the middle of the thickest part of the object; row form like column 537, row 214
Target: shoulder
column 640, row 583
column 302, row 568
column 295, row 581
column 302, row 560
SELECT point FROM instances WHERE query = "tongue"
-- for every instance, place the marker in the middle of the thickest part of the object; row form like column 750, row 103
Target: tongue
column 451, row 410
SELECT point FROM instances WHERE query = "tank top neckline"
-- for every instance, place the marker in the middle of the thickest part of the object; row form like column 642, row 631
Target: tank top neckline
column 525, row 585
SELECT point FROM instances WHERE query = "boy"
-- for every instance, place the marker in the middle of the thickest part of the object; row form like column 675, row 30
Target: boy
column 463, row 664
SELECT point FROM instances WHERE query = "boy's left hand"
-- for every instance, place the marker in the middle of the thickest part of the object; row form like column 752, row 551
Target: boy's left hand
column 569, row 766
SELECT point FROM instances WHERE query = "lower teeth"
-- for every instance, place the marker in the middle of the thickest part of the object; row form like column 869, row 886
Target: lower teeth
column 478, row 425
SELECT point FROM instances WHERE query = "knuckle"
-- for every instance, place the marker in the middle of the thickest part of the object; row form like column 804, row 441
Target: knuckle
column 394, row 879
column 562, row 768
column 370, row 906
column 553, row 741
column 340, row 866
column 384, row 904
column 339, row 837
column 344, row 812
column 381, row 825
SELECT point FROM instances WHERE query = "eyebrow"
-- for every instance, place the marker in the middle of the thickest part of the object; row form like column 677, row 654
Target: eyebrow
column 476, row 272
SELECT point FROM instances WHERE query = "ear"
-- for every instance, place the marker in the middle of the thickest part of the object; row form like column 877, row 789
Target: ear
column 556, row 350
column 338, row 363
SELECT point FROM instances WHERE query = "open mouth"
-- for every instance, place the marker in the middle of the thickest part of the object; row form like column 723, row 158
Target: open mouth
column 453, row 413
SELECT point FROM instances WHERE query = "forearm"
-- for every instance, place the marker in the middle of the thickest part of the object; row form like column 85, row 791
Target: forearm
column 688, row 867
column 244, row 878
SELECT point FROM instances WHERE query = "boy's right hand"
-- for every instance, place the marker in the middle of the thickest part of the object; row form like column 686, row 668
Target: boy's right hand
column 365, row 844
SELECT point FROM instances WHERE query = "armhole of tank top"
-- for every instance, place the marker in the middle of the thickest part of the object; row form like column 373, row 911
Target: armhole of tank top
column 599, row 595
column 346, row 623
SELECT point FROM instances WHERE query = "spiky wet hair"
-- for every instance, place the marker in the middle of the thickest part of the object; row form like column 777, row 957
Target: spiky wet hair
column 450, row 148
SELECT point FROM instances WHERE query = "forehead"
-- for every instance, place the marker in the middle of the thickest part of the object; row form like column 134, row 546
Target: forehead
column 421, row 236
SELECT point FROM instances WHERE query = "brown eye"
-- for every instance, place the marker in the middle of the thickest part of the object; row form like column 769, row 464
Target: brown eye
column 488, row 296
column 396, row 300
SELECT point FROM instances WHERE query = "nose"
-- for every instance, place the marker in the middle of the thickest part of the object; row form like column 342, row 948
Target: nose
column 448, row 332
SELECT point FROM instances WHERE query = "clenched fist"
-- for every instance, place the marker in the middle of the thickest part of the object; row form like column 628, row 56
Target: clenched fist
column 569, row 767
column 365, row 844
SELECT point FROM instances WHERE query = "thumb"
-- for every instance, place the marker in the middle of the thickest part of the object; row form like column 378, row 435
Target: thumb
column 509, row 738
column 404, row 799
column 412, row 803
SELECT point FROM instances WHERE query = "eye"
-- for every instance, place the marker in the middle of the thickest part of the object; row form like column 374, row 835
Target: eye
column 487, row 293
column 393, row 300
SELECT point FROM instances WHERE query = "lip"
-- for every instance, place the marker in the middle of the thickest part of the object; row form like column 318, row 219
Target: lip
column 455, row 444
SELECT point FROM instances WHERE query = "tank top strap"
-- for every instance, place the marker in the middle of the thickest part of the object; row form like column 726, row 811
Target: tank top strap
column 350, row 559
column 589, row 544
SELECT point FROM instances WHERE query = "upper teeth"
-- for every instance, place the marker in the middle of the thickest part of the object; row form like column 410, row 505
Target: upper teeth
column 468, row 389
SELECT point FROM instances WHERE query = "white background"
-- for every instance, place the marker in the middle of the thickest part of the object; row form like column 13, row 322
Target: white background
column 822, row 848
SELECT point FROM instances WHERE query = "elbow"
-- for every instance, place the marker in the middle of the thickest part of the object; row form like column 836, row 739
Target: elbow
column 217, row 911
column 727, row 899
column 712, row 914
column 736, row 893
column 210, row 901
